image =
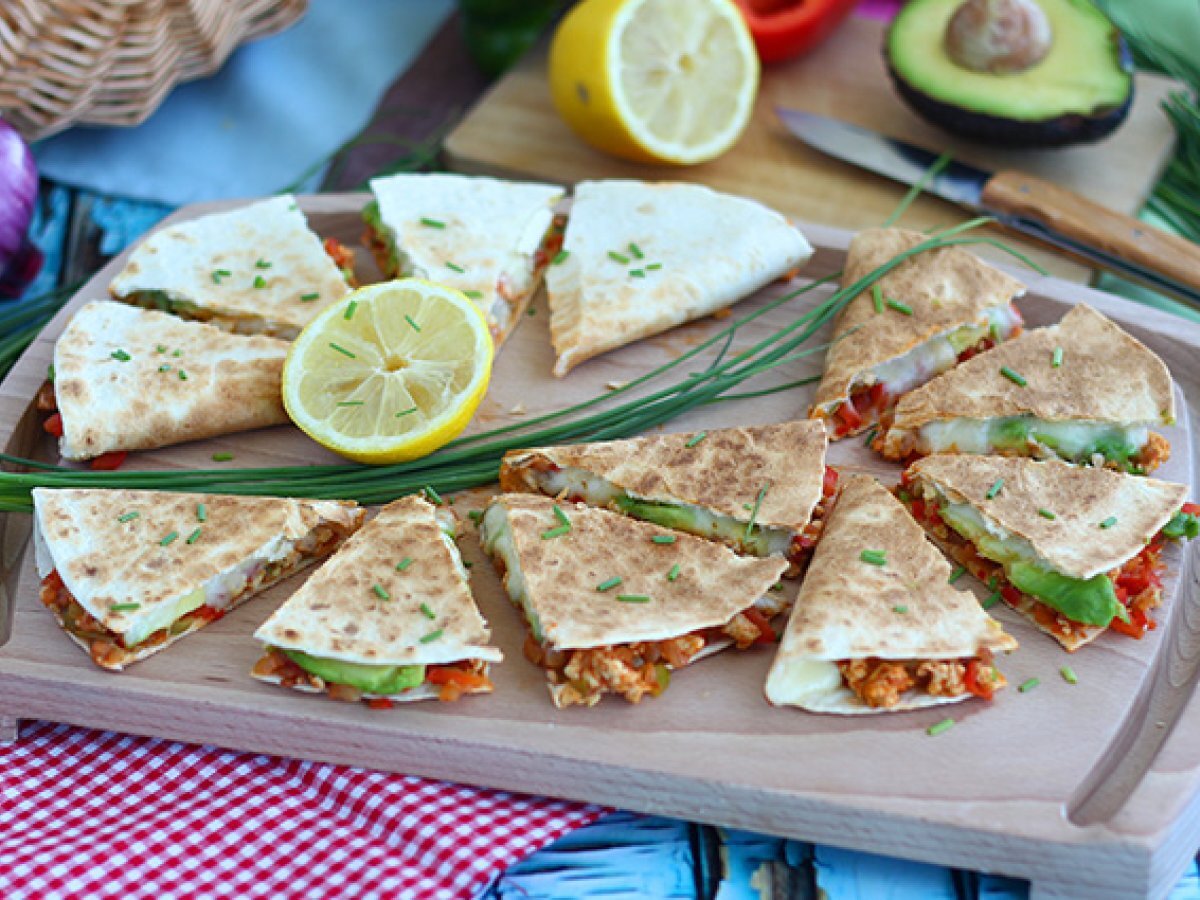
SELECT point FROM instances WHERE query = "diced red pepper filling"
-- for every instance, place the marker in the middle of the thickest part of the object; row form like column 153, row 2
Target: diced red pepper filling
column 881, row 683
column 866, row 404
column 803, row 544
column 343, row 258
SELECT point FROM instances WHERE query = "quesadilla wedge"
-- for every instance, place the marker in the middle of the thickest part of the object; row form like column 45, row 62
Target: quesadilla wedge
column 934, row 310
column 389, row 617
column 614, row 605
column 134, row 379
column 128, row 573
column 760, row 490
column 1076, row 550
column 877, row 626
column 639, row 258
column 489, row 239
column 257, row 269
column 1082, row 390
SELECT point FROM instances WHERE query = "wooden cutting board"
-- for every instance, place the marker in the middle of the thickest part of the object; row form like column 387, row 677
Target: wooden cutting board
column 514, row 131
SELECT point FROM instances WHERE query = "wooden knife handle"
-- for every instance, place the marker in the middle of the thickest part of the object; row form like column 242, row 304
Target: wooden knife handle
column 1090, row 223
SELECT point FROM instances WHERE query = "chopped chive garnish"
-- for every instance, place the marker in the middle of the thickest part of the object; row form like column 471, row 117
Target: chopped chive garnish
column 168, row 538
column 560, row 257
column 121, row 356
column 663, row 539
column 380, row 592
column 431, row 637
column 194, row 536
column 161, row 348
column 474, row 295
column 222, row 457
column 260, row 282
column 406, row 412
column 412, row 322
column 350, row 403
column 432, row 223
column 224, row 273
column 653, row 267
column 609, row 583
column 1068, row 675
column 562, row 517
column 427, row 611
column 939, row 727
column 404, row 564
column 777, row 587
column 309, row 298
column 183, row 375
column 454, row 267
column 899, row 307
column 164, row 368
column 262, row 264
column 874, row 557
column 350, row 308
column 177, row 353
column 1046, row 514
column 900, row 609
column 754, row 512
column 124, row 607
column 1109, row 522
column 871, row 435
column 618, row 257
column 128, row 517
column 636, row 273
column 342, row 350
column 636, row 251
column 633, row 598
column 1029, row 685
column 556, row 532
column 1057, row 358
column 877, row 297
column 216, row 277
column 201, row 512
column 432, row 496
column 475, row 515
column 991, row 600
column 1015, row 377
column 696, row 438
column 532, row 311
column 995, row 489
column 674, row 573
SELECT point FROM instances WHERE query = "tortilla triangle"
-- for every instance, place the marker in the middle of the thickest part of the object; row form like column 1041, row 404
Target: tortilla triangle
column 134, row 379
column 644, row 257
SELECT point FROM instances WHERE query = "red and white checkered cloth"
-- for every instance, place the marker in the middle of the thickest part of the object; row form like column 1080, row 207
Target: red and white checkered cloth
column 95, row 814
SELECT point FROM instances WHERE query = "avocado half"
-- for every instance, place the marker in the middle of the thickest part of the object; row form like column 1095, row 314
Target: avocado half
column 1080, row 91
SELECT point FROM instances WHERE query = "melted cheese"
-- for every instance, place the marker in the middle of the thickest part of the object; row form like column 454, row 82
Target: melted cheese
column 497, row 539
column 804, row 681
column 1074, row 440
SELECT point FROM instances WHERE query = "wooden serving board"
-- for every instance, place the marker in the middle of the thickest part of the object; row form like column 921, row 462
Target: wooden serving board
column 514, row 131
column 1087, row 790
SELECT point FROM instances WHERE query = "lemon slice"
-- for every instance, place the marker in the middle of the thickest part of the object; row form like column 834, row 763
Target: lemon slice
column 389, row 373
column 655, row 80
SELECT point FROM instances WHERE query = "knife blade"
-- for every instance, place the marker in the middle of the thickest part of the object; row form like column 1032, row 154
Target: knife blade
column 1035, row 208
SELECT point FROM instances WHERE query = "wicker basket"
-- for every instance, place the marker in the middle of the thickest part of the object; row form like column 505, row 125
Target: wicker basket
column 111, row 62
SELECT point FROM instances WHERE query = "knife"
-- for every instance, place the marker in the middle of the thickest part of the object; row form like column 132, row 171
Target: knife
column 1036, row 208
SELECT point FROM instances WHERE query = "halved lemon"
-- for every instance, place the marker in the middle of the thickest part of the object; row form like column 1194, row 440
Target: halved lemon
column 391, row 372
column 668, row 81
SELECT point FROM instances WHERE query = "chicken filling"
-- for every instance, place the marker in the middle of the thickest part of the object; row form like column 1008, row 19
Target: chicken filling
column 881, row 683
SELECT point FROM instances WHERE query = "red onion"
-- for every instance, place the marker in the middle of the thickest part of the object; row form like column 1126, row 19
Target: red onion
column 20, row 260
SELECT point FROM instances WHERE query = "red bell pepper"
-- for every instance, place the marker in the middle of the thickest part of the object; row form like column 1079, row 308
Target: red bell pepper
column 783, row 29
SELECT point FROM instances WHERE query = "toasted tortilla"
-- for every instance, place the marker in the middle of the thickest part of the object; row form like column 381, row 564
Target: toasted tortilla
column 336, row 614
column 1106, row 375
column 106, row 562
column 186, row 262
column 700, row 252
column 1079, row 498
column 182, row 381
column 492, row 230
column 946, row 289
column 561, row 574
column 723, row 471
column 847, row 608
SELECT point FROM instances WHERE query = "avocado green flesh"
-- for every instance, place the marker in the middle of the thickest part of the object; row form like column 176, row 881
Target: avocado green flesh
column 372, row 679
column 1075, row 441
column 374, row 219
column 1089, row 601
column 163, row 302
column 1082, row 74
column 683, row 518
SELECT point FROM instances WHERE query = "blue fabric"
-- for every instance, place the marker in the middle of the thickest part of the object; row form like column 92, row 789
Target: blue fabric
column 278, row 106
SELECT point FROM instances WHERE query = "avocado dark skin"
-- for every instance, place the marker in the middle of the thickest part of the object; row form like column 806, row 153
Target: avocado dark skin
column 1000, row 130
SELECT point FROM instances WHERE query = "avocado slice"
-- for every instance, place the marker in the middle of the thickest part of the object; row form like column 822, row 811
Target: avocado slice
column 1081, row 90
column 372, row 679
